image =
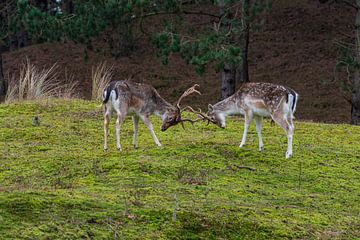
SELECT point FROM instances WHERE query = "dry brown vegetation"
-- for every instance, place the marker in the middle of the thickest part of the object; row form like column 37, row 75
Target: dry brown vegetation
column 295, row 48
column 101, row 75
column 33, row 83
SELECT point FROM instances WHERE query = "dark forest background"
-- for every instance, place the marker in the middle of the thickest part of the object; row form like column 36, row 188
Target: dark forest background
column 308, row 45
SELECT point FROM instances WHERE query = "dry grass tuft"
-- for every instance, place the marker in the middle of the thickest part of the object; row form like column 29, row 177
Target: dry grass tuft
column 101, row 75
column 69, row 89
column 34, row 84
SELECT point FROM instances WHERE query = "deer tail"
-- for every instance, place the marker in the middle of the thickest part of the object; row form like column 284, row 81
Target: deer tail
column 292, row 99
column 107, row 92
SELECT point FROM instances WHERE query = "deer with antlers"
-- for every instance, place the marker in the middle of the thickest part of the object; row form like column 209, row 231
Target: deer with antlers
column 255, row 101
column 141, row 100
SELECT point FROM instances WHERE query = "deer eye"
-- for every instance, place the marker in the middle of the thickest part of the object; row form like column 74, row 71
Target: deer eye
column 170, row 118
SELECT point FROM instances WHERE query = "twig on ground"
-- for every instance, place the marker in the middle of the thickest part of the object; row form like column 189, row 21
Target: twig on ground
column 232, row 167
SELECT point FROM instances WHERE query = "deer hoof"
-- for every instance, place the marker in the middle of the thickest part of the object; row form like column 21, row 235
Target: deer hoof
column 136, row 146
column 261, row 148
column 288, row 155
column 242, row 145
column 119, row 149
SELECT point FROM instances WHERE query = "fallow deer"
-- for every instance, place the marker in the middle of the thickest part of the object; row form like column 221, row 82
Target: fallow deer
column 141, row 100
column 257, row 100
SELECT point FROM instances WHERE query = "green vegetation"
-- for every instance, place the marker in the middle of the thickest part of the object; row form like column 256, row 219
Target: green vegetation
column 58, row 183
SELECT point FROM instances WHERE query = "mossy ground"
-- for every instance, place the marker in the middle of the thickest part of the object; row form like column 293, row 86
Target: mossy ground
column 58, row 183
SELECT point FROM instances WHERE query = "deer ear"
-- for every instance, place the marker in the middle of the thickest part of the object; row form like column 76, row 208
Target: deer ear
column 210, row 108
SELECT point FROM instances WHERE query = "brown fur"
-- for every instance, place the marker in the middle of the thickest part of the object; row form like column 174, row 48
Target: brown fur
column 142, row 100
column 254, row 101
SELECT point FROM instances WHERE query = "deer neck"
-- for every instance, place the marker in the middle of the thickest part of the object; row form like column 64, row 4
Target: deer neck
column 227, row 106
column 162, row 107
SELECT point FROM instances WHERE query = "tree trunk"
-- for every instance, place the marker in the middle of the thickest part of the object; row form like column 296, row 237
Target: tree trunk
column 19, row 40
column 228, row 73
column 228, row 81
column 126, row 39
column 2, row 79
column 242, row 71
column 355, row 101
column 68, row 6
column 233, row 77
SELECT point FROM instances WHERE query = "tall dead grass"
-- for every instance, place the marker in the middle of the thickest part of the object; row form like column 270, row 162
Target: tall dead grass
column 101, row 75
column 33, row 84
column 69, row 89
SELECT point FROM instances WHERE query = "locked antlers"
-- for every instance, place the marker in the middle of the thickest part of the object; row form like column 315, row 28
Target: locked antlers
column 201, row 116
column 187, row 93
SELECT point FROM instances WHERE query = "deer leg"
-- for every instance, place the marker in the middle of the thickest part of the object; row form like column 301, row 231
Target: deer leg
column 290, row 136
column 248, row 117
column 149, row 125
column 258, row 122
column 135, row 119
column 289, row 129
column 290, row 120
column 119, row 120
column 106, row 127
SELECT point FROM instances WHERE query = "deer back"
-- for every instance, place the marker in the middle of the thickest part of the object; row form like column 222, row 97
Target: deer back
column 138, row 97
column 264, row 97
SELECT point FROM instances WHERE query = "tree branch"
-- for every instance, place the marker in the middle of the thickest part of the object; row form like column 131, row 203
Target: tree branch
column 202, row 13
column 142, row 17
column 346, row 2
column 350, row 4
column 180, row 12
column 241, row 167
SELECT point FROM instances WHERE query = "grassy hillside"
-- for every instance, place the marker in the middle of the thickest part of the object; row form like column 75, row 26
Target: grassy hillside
column 58, row 183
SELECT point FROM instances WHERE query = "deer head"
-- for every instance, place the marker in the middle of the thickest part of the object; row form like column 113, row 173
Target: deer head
column 215, row 116
column 172, row 115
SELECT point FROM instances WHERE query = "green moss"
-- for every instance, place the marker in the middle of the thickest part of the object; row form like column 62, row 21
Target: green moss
column 58, row 183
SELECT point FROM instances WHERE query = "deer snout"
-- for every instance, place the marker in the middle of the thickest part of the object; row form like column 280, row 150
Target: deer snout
column 164, row 127
column 222, row 125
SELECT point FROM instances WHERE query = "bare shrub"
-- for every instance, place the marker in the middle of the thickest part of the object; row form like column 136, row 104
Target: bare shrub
column 33, row 84
column 12, row 91
column 101, row 75
column 69, row 89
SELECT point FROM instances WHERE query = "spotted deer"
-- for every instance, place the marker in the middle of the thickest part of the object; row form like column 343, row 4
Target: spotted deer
column 140, row 100
column 257, row 100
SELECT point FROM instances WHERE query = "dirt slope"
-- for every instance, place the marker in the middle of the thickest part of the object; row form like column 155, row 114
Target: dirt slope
column 295, row 48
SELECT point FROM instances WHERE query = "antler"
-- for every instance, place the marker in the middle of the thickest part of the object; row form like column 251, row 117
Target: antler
column 201, row 116
column 187, row 93
column 190, row 120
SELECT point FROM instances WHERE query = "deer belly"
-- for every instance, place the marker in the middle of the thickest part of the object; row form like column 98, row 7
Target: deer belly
column 258, row 107
column 263, row 112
